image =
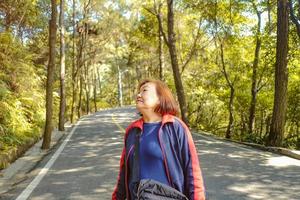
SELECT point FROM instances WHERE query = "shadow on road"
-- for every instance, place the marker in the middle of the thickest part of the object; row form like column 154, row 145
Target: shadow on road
column 89, row 164
column 88, row 167
column 235, row 172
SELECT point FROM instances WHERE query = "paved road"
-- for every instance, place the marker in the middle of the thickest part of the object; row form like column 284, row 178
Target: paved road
column 87, row 166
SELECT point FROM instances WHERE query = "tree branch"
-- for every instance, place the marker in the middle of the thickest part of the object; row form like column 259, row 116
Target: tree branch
column 224, row 67
column 294, row 18
column 150, row 11
column 158, row 16
column 193, row 49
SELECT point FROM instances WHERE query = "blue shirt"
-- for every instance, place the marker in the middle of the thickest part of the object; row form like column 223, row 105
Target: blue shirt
column 151, row 157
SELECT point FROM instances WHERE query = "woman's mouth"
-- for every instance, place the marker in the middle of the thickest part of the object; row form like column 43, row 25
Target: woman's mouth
column 139, row 100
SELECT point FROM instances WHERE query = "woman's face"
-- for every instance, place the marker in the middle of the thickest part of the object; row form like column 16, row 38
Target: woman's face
column 147, row 98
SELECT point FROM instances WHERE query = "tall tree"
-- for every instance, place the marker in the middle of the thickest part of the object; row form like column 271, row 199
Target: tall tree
column 276, row 134
column 232, row 94
column 78, row 72
column 254, row 88
column 74, row 82
column 79, row 106
column 62, row 104
column 86, row 78
column 171, row 43
column 160, row 43
column 95, row 87
column 83, row 58
column 50, row 76
column 157, row 12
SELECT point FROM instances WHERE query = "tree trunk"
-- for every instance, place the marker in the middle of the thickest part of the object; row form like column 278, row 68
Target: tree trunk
column 269, row 9
column 50, row 76
column 79, row 109
column 74, row 97
column 281, row 76
column 174, row 62
column 120, row 94
column 77, row 73
column 87, row 87
column 298, row 135
column 85, row 57
column 86, row 65
column 99, row 81
column 7, row 23
column 243, row 125
column 62, row 107
column 254, row 89
column 161, row 57
column 231, row 119
column 73, row 106
column 95, row 88
column 160, row 45
column 231, row 99
column 268, row 123
column 261, row 123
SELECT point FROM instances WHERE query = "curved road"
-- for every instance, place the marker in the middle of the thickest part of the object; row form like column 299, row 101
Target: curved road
column 85, row 166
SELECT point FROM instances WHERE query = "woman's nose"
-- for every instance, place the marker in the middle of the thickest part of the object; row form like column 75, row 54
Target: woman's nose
column 139, row 95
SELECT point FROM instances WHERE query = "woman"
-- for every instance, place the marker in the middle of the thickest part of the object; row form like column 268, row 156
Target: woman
column 167, row 153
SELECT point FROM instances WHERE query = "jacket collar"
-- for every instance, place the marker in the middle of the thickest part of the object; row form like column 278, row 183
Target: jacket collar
column 139, row 123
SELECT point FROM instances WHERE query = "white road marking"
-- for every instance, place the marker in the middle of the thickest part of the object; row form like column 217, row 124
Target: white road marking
column 34, row 183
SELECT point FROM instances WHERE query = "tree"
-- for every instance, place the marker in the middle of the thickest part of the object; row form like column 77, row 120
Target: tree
column 62, row 107
column 276, row 134
column 232, row 94
column 50, row 76
column 160, row 43
column 220, row 52
column 74, row 82
column 254, row 87
column 171, row 43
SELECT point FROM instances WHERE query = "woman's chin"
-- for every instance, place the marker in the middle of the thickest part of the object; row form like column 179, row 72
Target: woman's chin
column 138, row 107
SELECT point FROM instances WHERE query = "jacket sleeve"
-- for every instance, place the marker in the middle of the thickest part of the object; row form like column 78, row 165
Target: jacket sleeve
column 193, row 181
column 120, row 190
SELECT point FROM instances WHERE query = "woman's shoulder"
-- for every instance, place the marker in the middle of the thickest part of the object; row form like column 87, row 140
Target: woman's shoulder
column 135, row 124
column 179, row 127
column 178, row 123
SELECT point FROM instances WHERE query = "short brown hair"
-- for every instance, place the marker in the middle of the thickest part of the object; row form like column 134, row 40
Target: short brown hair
column 167, row 105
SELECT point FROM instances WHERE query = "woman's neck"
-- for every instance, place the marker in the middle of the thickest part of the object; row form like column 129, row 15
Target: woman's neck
column 152, row 117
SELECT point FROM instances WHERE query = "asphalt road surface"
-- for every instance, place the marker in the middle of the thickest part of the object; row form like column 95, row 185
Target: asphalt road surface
column 85, row 166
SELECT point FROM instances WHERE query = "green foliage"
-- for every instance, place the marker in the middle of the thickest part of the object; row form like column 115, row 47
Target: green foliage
column 17, row 127
column 125, row 38
column 21, row 101
column 293, row 113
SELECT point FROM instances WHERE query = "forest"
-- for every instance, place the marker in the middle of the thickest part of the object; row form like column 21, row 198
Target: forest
column 233, row 66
